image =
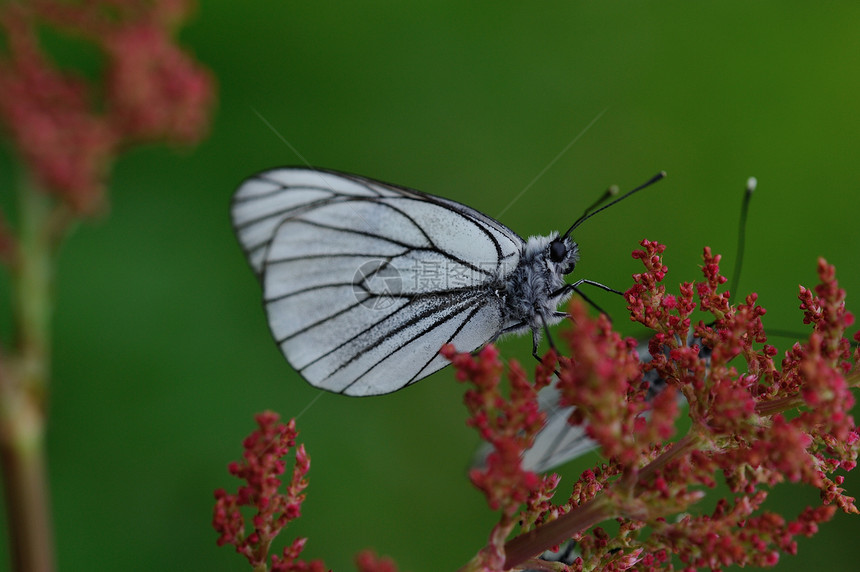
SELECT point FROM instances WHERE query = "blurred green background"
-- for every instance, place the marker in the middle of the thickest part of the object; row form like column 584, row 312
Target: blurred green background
column 162, row 351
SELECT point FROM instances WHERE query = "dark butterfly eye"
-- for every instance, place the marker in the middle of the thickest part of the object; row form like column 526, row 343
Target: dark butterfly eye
column 557, row 251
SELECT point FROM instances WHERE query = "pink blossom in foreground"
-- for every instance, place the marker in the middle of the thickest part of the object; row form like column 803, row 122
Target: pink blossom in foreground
column 261, row 468
column 751, row 429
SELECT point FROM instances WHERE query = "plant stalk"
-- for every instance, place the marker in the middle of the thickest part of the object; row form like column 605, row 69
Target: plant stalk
column 598, row 509
column 24, row 375
column 525, row 546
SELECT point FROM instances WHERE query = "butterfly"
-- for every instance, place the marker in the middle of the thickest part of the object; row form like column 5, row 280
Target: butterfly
column 364, row 282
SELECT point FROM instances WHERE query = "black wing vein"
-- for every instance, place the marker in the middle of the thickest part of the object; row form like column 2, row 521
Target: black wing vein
column 445, row 318
column 309, row 235
column 376, row 340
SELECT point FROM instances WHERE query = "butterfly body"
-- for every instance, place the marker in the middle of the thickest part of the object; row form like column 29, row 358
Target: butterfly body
column 536, row 288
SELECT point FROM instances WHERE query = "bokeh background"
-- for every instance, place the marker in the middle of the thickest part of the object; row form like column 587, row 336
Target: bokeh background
column 162, row 351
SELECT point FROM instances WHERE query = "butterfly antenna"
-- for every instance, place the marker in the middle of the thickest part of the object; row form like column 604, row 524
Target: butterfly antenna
column 590, row 213
column 612, row 191
column 742, row 236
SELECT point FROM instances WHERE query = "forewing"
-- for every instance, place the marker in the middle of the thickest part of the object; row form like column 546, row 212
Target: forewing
column 364, row 282
column 263, row 201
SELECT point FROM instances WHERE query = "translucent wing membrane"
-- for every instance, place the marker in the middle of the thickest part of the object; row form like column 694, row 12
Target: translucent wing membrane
column 559, row 442
column 556, row 443
column 364, row 282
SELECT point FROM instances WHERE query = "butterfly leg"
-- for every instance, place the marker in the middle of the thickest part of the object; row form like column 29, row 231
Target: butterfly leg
column 536, row 341
column 564, row 290
column 567, row 288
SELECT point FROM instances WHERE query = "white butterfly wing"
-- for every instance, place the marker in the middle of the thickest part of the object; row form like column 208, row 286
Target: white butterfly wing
column 559, row 442
column 556, row 443
column 364, row 282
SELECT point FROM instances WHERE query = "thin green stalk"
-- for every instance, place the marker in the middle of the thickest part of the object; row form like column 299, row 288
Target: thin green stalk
column 24, row 376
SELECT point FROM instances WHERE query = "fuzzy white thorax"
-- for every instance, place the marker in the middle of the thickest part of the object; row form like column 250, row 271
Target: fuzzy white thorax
column 531, row 297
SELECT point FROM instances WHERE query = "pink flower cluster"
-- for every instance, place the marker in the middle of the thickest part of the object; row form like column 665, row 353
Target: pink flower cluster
column 261, row 468
column 509, row 423
column 367, row 561
column 67, row 129
column 751, row 429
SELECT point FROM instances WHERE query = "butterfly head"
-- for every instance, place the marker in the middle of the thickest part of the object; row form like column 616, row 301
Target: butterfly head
column 563, row 254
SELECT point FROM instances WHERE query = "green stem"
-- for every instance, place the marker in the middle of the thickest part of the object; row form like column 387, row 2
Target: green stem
column 26, row 489
column 24, row 379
